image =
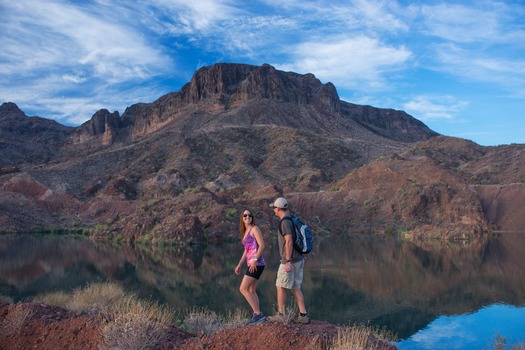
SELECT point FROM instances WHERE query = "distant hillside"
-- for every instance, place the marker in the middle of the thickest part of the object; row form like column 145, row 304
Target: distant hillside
column 182, row 167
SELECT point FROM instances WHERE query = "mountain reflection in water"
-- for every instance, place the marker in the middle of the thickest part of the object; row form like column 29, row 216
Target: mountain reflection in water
column 378, row 281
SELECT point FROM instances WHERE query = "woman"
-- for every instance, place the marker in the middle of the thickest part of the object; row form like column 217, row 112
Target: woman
column 253, row 243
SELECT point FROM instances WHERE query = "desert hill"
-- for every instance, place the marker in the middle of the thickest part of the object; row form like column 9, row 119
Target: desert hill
column 182, row 167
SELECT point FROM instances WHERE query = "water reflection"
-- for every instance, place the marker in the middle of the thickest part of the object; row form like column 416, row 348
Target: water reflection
column 398, row 285
column 471, row 331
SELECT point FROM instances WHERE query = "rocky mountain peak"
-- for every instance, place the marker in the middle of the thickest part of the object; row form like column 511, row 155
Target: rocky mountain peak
column 102, row 123
column 233, row 84
column 10, row 110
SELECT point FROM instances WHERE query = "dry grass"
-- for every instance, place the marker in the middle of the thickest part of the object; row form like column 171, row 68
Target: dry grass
column 201, row 320
column 500, row 343
column 18, row 315
column 5, row 299
column 361, row 337
column 130, row 323
column 290, row 310
column 237, row 318
column 55, row 298
column 97, row 298
column 136, row 324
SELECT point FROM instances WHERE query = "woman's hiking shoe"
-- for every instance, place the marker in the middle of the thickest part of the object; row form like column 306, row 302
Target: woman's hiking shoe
column 302, row 319
column 257, row 318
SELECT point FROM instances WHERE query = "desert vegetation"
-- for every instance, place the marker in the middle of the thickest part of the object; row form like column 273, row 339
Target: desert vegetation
column 132, row 323
column 127, row 322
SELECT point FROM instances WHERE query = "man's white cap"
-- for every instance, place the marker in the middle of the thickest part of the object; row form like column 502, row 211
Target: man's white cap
column 280, row 203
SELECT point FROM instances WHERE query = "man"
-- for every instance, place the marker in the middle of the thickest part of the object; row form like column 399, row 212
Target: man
column 290, row 273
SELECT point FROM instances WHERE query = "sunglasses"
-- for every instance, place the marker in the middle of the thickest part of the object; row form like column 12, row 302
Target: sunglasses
column 248, row 215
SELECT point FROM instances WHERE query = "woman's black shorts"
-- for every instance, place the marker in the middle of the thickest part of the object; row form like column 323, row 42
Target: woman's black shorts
column 255, row 274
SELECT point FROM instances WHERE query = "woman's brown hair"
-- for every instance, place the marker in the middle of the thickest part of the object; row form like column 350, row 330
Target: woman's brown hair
column 242, row 227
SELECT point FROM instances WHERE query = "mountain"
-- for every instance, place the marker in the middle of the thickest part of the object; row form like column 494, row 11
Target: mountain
column 183, row 167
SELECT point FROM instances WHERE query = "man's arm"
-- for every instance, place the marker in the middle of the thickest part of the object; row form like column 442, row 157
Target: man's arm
column 288, row 248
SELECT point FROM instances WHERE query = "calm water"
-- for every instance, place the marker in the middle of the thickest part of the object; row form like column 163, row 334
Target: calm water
column 456, row 296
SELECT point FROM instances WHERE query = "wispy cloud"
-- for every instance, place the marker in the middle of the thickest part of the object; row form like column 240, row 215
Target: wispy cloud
column 112, row 53
column 460, row 23
column 427, row 108
column 53, row 48
column 483, row 67
column 480, row 44
column 359, row 62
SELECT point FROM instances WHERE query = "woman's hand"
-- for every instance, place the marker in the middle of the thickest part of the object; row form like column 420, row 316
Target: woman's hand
column 238, row 270
column 252, row 266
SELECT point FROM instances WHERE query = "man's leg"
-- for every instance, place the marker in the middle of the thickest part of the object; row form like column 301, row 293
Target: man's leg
column 281, row 299
column 299, row 299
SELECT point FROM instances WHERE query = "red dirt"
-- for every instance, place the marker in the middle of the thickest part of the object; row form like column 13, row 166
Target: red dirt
column 40, row 326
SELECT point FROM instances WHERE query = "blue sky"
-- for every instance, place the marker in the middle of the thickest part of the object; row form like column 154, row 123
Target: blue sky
column 458, row 66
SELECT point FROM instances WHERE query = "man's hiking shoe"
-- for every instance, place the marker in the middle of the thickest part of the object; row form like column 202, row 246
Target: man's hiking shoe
column 257, row 318
column 302, row 319
column 278, row 317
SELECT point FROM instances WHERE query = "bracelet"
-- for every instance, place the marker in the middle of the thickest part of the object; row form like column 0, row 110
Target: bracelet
column 254, row 259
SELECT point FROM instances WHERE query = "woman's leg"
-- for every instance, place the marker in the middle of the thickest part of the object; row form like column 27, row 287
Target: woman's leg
column 248, row 290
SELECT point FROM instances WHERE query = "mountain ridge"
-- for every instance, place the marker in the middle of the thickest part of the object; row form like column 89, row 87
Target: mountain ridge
column 181, row 167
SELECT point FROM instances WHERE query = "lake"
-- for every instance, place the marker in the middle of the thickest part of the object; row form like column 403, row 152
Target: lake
column 433, row 295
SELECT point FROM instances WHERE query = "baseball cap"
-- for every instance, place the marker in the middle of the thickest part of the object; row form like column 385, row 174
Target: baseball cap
column 280, row 203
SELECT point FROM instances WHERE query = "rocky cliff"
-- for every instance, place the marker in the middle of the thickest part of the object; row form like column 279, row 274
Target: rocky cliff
column 183, row 167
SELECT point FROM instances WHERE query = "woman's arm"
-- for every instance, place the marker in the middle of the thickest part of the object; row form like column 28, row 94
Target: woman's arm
column 260, row 241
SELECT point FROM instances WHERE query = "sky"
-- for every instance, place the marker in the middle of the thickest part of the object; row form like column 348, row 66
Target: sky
column 458, row 66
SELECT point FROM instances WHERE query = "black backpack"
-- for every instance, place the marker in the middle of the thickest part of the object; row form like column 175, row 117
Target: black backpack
column 303, row 240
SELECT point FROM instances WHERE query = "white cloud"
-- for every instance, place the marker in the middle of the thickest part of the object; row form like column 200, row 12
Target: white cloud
column 371, row 15
column 357, row 62
column 56, row 35
column 427, row 108
column 54, row 52
column 197, row 17
column 479, row 42
column 460, row 23
column 484, row 67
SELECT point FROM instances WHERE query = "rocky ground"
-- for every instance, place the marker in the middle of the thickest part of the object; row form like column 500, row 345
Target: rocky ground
column 40, row 326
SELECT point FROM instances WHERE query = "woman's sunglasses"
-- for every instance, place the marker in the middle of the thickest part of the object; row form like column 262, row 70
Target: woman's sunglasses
column 248, row 215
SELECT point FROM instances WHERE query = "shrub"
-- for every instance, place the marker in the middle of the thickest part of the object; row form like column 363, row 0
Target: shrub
column 16, row 317
column 202, row 320
column 96, row 298
column 231, row 213
column 54, row 298
column 290, row 310
column 236, row 318
column 136, row 324
column 361, row 337
column 5, row 299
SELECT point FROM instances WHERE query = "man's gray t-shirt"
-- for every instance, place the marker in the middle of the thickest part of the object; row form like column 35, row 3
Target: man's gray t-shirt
column 287, row 229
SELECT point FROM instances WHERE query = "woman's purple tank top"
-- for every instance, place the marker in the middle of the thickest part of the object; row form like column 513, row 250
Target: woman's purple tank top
column 250, row 244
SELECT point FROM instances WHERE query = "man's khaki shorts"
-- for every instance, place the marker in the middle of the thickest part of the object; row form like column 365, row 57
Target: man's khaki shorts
column 292, row 279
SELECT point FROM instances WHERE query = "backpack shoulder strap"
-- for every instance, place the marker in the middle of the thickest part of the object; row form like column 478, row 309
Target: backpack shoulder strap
column 281, row 221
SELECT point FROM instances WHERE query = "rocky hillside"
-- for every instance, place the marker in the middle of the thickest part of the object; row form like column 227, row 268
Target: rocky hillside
column 182, row 167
